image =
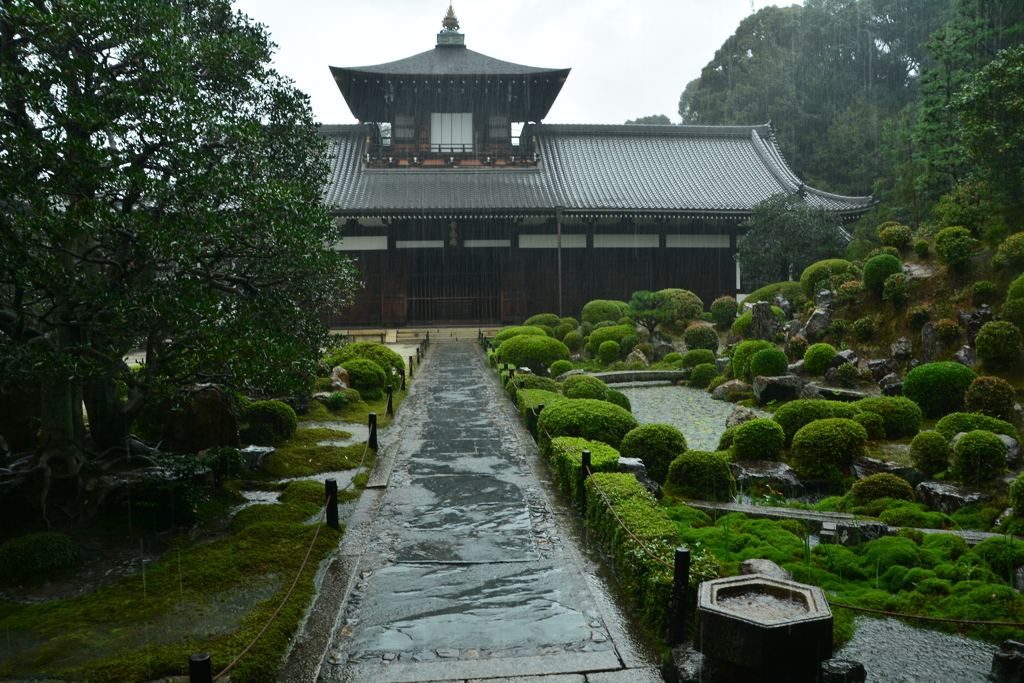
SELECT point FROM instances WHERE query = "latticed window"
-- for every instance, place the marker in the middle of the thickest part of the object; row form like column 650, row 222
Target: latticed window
column 451, row 132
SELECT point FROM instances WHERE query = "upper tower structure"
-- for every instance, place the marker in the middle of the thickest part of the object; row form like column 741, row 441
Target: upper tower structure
column 449, row 105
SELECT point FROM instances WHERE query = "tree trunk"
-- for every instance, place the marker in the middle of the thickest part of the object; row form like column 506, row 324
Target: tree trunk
column 107, row 423
column 57, row 430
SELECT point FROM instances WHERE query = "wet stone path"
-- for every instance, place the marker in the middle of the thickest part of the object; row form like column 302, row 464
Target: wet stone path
column 466, row 575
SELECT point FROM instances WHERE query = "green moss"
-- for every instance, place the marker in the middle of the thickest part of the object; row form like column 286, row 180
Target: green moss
column 301, row 456
column 36, row 558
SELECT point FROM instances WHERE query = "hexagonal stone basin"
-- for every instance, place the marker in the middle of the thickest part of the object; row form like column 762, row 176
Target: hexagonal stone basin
column 760, row 605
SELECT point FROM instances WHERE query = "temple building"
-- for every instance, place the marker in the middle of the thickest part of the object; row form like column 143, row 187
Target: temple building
column 461, row 206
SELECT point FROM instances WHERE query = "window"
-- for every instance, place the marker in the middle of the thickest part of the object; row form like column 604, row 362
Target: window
column 451, row 132
column 404, row 128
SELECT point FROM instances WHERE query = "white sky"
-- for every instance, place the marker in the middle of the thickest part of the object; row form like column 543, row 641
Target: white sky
column 628, row 59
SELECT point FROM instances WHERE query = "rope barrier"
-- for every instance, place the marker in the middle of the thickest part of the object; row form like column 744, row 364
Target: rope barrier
column 302, row 568
column 964, row 622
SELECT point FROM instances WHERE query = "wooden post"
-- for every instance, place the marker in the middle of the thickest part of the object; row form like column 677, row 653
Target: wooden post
column 401, row 373
column 372, row 439
column 331, row 485
column 410, row 367
column 390, row 410
column 677, row 606
column 582, row 484
column 200, row 669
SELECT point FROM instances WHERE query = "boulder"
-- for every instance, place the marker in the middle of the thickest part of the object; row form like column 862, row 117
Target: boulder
column 779, row 389
column 723, row 390
column 783, row 303
column 844, row 356
column 946, row 497
column 254, row 455
column 901, row 348
column 965, row 355
column 882, row 367
column 891, row 385
column 739, row 416
column 930, row 344
column 855, row 533
column 823, row 299
column 339, row 378
column 1008, row 663
column 721, row 364
column 764, row 324
column 817, row 324
column 662, row 350
column 687, row 665
column 832, row 393
column 913, row 363
column 635, row 466
column 778, row 475
column 207, row 417
column 797, row 368
column 842, row 671
column 763, row 567
column 637, row 356
column 795, row 328
column 865, row 467
column 974, row 320
column 575, row 358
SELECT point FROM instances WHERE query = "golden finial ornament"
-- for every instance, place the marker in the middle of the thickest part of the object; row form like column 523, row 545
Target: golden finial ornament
column 450, row 21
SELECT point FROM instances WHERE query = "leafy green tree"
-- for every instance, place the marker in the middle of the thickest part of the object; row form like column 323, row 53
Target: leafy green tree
column 648, row 309
column 653, row 120
column 783, row 237
column 160, row 189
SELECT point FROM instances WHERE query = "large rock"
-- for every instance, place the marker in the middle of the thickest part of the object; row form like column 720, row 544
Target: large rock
column 779, row 389
column 778, row 475
column 739, row 416
column 817, row 324
column 797, row 368
column 865, row 467
column 783, row 303
column 764, row 567
column 842, row 671
column 855, row 533
column 891, row 385
column 844, row 356
column 1008, row 663
column 796, row 328
column 764, row 324
column 930, row 344
column 207, row 417
column 974, row 320
column 945, row 497
column 637, row 356
column 882, row 367
column 723, row 390
column 832, row 393
column 823, row 299
column 965, row 355
column 254, row 455
column 636, row 467
column 902, row 348
column 339, row 378
column 662, row 350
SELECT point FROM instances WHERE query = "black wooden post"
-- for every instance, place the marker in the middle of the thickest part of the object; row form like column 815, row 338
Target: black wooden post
column 410, row 367
column 200, row 669
column 677, row 607
column 332, row 503
column 372, row 439
column 401, row 373
column 417, row 353
column 584, row 467
column 390, row 410
column 427, row 340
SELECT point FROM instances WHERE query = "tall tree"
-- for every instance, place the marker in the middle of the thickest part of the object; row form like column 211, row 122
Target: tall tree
column 160, row 188
column 652, row 120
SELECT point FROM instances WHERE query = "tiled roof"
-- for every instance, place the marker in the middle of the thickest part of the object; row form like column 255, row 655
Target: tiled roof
column 449, row 61
column 622, row 169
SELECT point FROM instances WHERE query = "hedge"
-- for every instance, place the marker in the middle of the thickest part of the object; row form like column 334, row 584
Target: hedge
column 566, row 460
column 389, row 361
column 527, row 400
column 534, row 352
column 506, row 333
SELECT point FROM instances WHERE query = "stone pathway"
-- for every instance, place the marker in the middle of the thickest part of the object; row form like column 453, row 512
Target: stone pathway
column 466, row 570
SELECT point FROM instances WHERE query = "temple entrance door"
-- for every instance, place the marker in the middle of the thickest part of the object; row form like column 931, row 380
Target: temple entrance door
column 453, row 285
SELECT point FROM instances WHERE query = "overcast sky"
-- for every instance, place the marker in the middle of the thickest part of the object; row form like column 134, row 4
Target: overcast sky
column 628, row 58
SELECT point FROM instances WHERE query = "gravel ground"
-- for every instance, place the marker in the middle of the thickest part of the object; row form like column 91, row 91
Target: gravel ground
column 700, row 418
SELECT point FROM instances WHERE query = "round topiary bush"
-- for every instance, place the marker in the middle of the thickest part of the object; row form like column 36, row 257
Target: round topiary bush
column 742, row 355
column 1013, row 312
column 389, row 361
column 723, row 310
column 701, row 475
column 938, row 387
column 506, row 333
column 657, row 445
column 1010, row 252
column 917, row 316
column 592, row 390
column 878, row 268
column 901, row 416
column 531, row 382
column 601, row 310
column 534, row 352
column 543, row 319
column 572, row 341
column 979, row 457
column 825, row 448
column 702, row 375
column 817, row 275
column 954, row 247
column 619, row 399
column 37, row 558
column 984, row 292
column 921, row 248
column 769, row 363
column 998, row 344
column 688, row 305
column 560, row 367
column 817, row 357
column 991, row 396
column 609, row 351
column 873, row 423
column 896, row 289
column 864, row 328
column 696, row 357
column 701, row 336
column 269, row 423
column 894, row 236
column 758, row 439
column 930, row 452
column 795, row 414
column 954, row 423
column 585, row 418
column 881, row 485
column 947, row 330
column 563, row 330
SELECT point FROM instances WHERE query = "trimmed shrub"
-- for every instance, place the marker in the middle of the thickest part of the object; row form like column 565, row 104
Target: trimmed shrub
column 543, row 320
column 921, row 248
column 872, row 423
column 979, row 457
column 563, row 330
column 769, row 363
column 894, row 236
column 521, row 382
column 701, row 475
column 847, row 375
column 984, row 292
column 882, row 251
column 954, row 247
column 930, row 452
column 575, row 380
column 36, row 558
column 657, row 445
column 881, row 485
column 817, row 275
column 998, row 344
column 673, row 358
column 628, row 343
column 947, row 330
column 817, row 357
column 917, row 316
column 798, row 346
column 601, row 310
column 609, row 351
column 723, row 310
column 758, row 439
column 741, row 326
column 954, row 423
column 701, row 336
column 572, row 341
column 566, row 458
column 619, row 399
column 506, row 333
column 534, row 352
column 688, row 305
column 863, row 328
column 743, row 353
column 388, row 361
column 588, row 389
column 849, row 291
column 878, row 268
column 616, row 333
column 702, row 375
column 585, row 418
column 646, row 349
column 991, row 396
column 825, row 448
column 571, row 322
column 938, row 387
column 796, row 414
column 901, row 416
column 269, row 423
column 339, row 400
column 725, row 441
column 1010, row 252
column 896, row 289
column 696, row 357
column 560, row 367
column 530, row 400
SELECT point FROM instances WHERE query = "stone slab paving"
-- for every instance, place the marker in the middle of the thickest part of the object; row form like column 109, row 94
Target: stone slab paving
column 466, row 573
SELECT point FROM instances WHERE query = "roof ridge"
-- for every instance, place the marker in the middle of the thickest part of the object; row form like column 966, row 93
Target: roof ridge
column 660, row 129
